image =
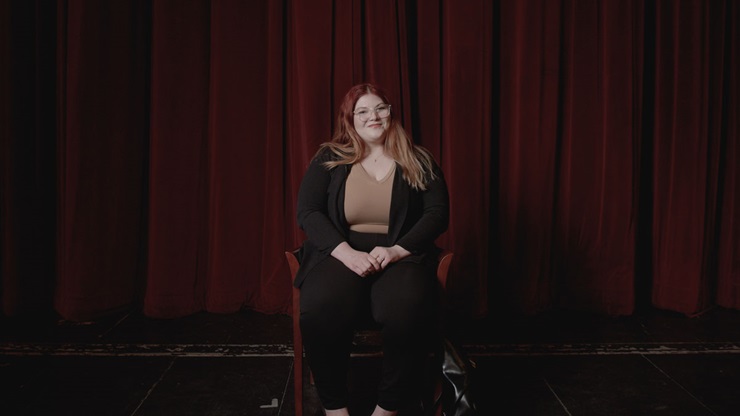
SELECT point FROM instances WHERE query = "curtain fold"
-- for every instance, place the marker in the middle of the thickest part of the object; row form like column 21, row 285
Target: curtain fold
column 530, row 77
column 466, row 137
column 152, row 151
column 237, row 138
column 595, row 205
column 727, row 131
column 27, row 157
column 687, row 102
column 102, row 153
column 178, row 147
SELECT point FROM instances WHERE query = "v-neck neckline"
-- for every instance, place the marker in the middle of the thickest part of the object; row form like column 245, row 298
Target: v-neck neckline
column 381, row 180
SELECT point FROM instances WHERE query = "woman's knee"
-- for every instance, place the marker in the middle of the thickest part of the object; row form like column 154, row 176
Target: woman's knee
column 326, row 313
column 406, row 301
column 329, row 302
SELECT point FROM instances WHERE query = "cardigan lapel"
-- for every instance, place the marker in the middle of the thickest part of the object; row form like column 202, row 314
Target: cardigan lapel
column 336, row 197
column 399, row 205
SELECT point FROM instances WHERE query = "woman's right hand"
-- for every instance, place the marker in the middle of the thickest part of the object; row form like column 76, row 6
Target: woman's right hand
column 358, row 261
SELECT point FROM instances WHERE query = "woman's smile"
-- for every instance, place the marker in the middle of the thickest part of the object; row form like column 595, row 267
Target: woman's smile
column 370, row 129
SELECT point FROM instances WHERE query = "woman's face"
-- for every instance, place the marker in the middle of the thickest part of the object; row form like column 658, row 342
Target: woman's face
column 368, row 123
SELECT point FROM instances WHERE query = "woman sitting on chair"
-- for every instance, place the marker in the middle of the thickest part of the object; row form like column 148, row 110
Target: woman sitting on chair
column 371, row 203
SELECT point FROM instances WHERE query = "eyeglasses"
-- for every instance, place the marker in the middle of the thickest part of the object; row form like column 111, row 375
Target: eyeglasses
column 382, row 110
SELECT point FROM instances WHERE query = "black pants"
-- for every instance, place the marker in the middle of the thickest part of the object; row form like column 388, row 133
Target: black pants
column 402, row 299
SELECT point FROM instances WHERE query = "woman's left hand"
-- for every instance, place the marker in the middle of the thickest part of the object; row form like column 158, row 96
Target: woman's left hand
column 388, row 255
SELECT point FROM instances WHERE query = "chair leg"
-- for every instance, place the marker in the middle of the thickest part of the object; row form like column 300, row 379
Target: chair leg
column 298, row 383
column 297, row 355
column 438, row 393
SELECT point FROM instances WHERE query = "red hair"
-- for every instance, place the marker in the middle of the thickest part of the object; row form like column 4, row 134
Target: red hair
column 416, row 163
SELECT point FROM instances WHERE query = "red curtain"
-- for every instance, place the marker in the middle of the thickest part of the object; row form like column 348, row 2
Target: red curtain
column 102, row 130
column 691, row 89
column 591, row 148
column 570, row 119
column 727, row 133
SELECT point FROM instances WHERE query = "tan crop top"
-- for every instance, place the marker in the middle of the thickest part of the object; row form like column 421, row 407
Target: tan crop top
column 367, row 201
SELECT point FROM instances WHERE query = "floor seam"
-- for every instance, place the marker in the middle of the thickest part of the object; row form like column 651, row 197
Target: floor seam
column 556, row 396
column 681, row 386
column 118, row 322
column 154, row 386
column 285, row 389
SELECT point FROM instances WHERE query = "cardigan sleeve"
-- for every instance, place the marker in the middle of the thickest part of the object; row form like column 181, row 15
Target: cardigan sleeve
column 313, row 213
column 434, row 219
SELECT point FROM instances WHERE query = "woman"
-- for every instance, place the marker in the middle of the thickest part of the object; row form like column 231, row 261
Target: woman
column 371, row 203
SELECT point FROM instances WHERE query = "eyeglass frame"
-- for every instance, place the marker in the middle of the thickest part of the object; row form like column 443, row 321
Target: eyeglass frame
column 372, row 111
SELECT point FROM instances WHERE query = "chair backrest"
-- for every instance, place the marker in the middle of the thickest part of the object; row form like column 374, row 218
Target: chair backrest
column 443, row 267
column 292, row 257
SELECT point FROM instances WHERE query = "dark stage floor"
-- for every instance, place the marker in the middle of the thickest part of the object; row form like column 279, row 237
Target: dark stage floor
column 655, row 363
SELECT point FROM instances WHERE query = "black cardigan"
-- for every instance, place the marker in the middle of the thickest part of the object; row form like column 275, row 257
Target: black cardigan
column 417, row 218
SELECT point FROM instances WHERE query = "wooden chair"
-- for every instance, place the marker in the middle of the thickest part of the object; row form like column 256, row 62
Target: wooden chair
column 443, row 267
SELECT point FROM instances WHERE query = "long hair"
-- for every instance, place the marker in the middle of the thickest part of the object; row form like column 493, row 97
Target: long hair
column 417, row 164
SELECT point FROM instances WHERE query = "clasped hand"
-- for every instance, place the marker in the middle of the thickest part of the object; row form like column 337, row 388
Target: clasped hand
column 365, row 264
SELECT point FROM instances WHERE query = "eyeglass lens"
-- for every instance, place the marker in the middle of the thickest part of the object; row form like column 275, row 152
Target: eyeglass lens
column 382, row 111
